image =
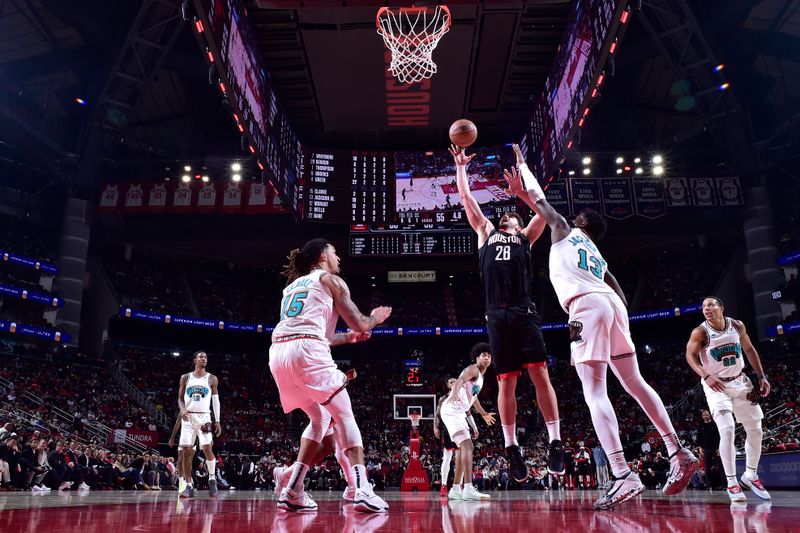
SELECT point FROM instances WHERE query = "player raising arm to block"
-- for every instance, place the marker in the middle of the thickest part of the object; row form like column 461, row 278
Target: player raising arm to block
column 600, row 337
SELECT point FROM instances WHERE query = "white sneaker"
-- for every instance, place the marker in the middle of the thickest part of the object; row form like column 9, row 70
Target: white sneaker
column 753, row 483
column 621, row 490
column 349, row 494
column 471, row 493
column 736, row 494
column 45, row 488
column 84, row 486
column 367, row 501
column 65, row 485
column 455, row 493
column 278, row 475
column 683, row 464
column 37, row 488
column 298, row 502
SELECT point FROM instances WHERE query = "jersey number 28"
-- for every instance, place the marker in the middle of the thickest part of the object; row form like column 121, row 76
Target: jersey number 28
column 293, row 304
column 503, row 253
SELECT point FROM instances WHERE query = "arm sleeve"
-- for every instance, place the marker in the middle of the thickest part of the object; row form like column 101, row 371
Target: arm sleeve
column 215, row 405
column 471, row 422
column 531, row 183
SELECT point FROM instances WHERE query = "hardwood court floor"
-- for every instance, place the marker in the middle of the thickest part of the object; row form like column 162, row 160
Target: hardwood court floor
column 516, row 511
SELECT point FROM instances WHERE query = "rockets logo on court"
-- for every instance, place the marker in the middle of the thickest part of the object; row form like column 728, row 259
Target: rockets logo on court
column 575, row 329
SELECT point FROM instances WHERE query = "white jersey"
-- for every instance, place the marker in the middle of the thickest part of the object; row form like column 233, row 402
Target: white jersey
column 198, row 393
column 466, row 394
column 577, row 268
column 722, row 356
column 307, row 309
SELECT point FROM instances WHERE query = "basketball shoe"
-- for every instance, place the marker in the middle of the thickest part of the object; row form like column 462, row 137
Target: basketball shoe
column 752, row 482
column 471, row 493
column 367, row 501
column 736, row 494
column 212, row 487
column 455, row 493
column 349, row 494
column 518, row 469
column 683, row 464
column 443, row 491
column 188, row 492
column 555, row 458
column 621, row 490
column 278, row 475
column 298, row 502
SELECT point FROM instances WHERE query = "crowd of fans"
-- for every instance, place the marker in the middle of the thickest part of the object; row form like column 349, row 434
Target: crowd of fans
column 257, row 436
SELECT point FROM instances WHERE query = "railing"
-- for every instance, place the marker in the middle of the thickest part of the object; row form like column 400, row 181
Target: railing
column 138, row 396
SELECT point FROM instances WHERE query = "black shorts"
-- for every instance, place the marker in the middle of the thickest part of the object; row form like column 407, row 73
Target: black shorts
column 447, row 442
column 584, row 469
column 515, row 336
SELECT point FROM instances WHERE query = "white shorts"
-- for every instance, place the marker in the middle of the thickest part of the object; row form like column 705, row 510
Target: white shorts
column 455, row 420
column 598, row 328
column 734, row 399
column 190, row 430
column 304, row 372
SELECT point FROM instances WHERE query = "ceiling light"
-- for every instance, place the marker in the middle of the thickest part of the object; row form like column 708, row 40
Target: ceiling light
column 658, row 170
column 571, row 172
column 587, row 171
column 237, row 178
column 657, row 159
column 619, row 171
column 236, row 167
column 205, row 179
column 639, row 170
column 587, row 160
column 619, row 159
column 187, row 168
column 186, row 178
column 637, row 160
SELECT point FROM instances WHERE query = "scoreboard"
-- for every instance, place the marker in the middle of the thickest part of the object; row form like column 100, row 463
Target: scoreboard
column 405, row 240
column 349, row 187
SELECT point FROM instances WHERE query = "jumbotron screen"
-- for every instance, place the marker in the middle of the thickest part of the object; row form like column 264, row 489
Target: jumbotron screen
column 576, row 64
column 429, row 217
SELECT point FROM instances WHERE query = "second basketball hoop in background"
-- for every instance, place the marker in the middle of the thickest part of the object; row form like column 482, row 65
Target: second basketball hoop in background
column 463, row 132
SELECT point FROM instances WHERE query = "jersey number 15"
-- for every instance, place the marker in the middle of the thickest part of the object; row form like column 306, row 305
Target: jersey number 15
column 293, row 304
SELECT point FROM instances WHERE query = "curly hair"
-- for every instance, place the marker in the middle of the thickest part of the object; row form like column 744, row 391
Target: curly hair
column 302, row 260
column 479, row 349
column 596, row 225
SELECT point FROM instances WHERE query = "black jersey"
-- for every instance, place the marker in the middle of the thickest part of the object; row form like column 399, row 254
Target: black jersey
column 505, row 262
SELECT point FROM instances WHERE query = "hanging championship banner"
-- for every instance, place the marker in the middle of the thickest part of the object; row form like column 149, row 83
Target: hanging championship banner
column 157, row 199
column 109, row 198
column 677, row 192
column 617, row 198
column 730, row 191
column 182, row 198
column 557, row 195
column 231, row 199
column 585, row 194
column 134, row 198
column 649, row 193
column 206, row 198
column 703, row 192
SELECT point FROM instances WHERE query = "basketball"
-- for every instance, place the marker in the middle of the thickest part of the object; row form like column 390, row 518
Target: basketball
column 463, row 132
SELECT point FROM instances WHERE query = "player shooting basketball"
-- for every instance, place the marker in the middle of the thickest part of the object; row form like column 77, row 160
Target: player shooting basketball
column 513, row 324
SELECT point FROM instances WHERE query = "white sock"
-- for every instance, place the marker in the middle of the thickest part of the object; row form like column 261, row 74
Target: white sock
column 298, row 474
column 619, row 467
column 211, row 466
column 360, row 475
column 554, row 429
column 732, row 481
column 672, row 443
column 510, row 435
column 467, row 486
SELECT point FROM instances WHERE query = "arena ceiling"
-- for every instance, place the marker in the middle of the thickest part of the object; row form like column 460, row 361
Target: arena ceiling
column 492, row 62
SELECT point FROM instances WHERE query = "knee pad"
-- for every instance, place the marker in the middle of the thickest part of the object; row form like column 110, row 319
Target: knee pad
column 751, row 426
column 724, row 420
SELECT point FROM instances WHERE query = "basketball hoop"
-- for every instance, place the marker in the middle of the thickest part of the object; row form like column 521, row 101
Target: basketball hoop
column 415, row 419
column 411, row 34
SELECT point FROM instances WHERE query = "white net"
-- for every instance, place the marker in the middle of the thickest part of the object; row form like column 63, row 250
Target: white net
column 415, row 419
column 412, row 34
